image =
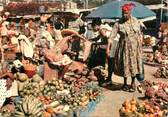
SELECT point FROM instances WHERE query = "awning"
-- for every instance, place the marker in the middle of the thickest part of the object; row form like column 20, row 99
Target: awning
column 148, row 19
column 155, row 7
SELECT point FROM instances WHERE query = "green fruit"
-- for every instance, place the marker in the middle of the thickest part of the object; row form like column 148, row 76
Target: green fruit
column 22, row 77
column 36, row 78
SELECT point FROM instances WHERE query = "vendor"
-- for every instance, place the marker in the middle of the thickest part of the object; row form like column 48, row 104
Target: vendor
column 13, row 34
column 8, row 85
column 26, row 46
column 4, row 27
column 98, row 56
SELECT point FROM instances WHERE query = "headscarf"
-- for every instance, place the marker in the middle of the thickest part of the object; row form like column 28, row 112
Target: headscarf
column 128, row 7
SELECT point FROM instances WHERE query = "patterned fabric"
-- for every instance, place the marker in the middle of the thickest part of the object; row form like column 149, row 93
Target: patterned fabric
column 128, row 55
column 4, row 93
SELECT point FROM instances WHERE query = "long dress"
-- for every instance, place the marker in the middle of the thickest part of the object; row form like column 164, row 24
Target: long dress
column 128, row 55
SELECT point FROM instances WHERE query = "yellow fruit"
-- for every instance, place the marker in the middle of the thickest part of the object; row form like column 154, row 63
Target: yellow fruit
column 22, row 77
column 133, row 108
column 133, row 102
column 128, row 106
column 127, row 110
column 151, row 110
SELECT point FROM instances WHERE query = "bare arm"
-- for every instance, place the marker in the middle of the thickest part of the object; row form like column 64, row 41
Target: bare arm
column 112, row 36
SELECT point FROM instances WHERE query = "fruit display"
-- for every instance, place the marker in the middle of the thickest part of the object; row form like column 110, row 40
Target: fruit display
column 31, row 88
column 155, row 103
column 156, row 58
column 60, row 96
column 75, row 88
column 21, row 77
column 78, row 79
column 162, row 72
column 134, row 108
column 29, row 106
column 90, row 92
column 149, row 41
column 156, row 93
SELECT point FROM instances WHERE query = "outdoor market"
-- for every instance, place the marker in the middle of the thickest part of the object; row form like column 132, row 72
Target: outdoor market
column 58, row 60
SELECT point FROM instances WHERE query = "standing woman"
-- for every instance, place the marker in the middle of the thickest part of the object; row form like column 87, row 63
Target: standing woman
column 128, row 56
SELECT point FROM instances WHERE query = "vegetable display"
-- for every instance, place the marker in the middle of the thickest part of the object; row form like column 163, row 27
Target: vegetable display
column 134, row 108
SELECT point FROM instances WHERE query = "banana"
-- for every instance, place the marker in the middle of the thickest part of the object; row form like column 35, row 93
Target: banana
column 39, row 114
column 36, row 107
column 24, row 105
column 20, row 108
column 30, row 104
column 19, row 114
column 38, row 110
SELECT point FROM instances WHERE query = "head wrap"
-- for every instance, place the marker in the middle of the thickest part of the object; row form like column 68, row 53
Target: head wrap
column 128, row 7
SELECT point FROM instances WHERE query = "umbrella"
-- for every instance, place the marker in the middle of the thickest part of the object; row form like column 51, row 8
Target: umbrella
column 112, row 10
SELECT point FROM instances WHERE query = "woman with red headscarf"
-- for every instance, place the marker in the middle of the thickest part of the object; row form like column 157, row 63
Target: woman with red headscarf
column 128, row 54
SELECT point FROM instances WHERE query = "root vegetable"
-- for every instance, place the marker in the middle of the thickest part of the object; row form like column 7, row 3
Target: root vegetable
column 50, row 110
column 47, row 114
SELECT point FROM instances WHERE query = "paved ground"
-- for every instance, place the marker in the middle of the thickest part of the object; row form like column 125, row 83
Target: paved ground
column 114, row 97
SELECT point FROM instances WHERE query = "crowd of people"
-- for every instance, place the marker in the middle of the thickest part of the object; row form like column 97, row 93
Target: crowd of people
column 119, row 46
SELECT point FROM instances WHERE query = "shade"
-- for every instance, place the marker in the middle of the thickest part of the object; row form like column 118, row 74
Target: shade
column 112, row 10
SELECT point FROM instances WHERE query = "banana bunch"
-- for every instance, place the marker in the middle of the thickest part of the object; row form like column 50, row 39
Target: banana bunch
column 29, row 107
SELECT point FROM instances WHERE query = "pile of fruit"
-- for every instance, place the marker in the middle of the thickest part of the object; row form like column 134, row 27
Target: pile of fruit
column 156, row 93
column 78, row 79
column 90, row 92
column 134, row 108
column 156, row 57
column 58, row 96
column 29, row 106
column 162, row 72
column 155, row 103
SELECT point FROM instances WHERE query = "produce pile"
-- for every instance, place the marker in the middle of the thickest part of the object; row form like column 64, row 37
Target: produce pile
column 78, row 79
column 157, row 58
column 155, row 103
column 134, row 108
column 156, row 92
column 54, row 97
column 162, row 72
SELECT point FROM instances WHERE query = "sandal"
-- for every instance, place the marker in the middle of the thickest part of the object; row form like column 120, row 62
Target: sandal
column 125, row 88
column 132, row 90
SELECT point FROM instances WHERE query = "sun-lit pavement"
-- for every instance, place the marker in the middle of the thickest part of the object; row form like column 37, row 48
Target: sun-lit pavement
column 113, row 99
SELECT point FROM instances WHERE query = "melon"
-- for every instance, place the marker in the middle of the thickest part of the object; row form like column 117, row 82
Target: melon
column 37, row 78
column 22, row 77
